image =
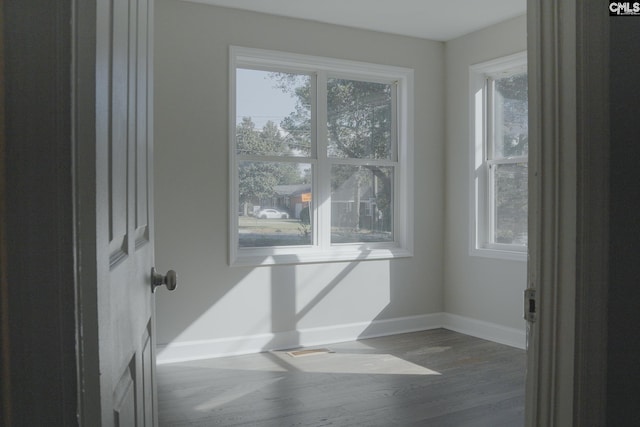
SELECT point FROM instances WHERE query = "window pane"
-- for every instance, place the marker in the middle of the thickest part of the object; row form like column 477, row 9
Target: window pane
column 511, row 116
column 359, row 119
column 361, row 204
column 275, row 199
column 273, row 113
column 510, row 186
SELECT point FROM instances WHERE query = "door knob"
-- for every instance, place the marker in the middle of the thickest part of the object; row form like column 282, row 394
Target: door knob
column 158, row 279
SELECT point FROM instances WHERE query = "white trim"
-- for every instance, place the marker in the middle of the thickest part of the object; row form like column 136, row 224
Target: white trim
column 510, row 255
column 486, row 330
column 322, row 250
column 499, row 64
column 233, row 170
column 233, row 346
column 347, row 69
column 205, row 349
column 568, row 212
column 306, row 254
column 553, row 215
column 478, row 175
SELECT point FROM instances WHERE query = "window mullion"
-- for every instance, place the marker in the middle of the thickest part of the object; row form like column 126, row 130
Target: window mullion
column 490, row 119
column 395, row 155
column 489, row 222
column 362, row 162
column 491, row 205
column 323, row 183
column 507, row 160
column 279, row 159
column 315, row 169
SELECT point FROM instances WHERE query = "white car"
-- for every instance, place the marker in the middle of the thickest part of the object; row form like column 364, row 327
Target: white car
column 272, row 213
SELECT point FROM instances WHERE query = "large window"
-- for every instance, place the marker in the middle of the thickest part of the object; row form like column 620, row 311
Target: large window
column 499, row 111
column 321, row 155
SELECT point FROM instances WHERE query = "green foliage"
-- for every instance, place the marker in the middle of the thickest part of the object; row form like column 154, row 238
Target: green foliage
column 511, row 203
column 257, row 179
column 359, row 125
column 304, row 230
column 305, row 218
column 359, row 119
column 513, row 94
column 298, row 123
column 514, row 86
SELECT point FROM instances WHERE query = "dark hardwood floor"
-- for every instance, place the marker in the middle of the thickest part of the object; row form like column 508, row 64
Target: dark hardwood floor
column 430, row 378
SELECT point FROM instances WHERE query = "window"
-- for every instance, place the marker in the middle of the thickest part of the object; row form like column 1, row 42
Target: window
column 499, row 142
column 320, row 154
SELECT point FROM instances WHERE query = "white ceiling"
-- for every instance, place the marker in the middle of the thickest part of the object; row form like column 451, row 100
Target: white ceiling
column 429, row 19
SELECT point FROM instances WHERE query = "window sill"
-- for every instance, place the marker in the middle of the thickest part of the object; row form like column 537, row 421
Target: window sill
column 251, row 258
column 503, row 254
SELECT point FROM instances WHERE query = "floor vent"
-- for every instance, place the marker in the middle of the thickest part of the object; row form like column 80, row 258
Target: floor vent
column 308, row 352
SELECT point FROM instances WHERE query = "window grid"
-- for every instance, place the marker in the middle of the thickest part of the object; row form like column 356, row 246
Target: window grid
column 483, row 126
column 494, row 160
column 321, row 248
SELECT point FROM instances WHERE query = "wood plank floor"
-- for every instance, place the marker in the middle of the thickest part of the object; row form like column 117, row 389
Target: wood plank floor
column 431, row 378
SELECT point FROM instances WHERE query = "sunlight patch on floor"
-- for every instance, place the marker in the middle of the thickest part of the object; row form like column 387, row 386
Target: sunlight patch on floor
column 341, row 363
column 237, row 392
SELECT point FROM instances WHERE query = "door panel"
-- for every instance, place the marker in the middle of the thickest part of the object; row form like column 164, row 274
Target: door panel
column 148, row 370
column 119, row 133
column 124, row 411
column 142, row 147
column 126, row 302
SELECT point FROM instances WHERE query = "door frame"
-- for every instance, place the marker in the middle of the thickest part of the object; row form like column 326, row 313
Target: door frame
column 568, row 212
column 86, row 147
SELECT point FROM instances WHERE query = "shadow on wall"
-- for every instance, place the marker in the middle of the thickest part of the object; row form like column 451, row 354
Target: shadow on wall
column 285, row 315
column 392, row 319
column 309, row 305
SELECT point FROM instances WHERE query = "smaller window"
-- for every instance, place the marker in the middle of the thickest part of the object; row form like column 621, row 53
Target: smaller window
column 499, row 169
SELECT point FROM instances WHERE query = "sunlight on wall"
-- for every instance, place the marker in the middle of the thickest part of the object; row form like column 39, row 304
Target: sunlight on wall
column 355, row 291
column 287, row 306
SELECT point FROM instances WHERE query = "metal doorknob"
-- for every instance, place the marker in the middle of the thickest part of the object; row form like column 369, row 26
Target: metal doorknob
column 158, row 279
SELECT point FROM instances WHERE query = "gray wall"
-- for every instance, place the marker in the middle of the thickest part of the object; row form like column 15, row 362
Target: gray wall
column 484, row 289
column 215, row 301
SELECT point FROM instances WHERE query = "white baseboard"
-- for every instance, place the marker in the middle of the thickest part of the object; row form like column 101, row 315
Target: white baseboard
column 206, row 349
column 489, row 331
column 232, row 346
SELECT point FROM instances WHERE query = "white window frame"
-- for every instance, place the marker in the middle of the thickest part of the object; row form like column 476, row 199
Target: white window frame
column 322, row 250
column 480, row 185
